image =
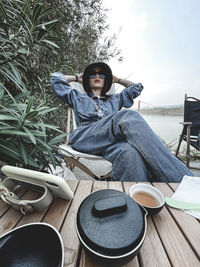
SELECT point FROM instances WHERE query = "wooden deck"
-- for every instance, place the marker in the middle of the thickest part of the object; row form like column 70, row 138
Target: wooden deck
column 173, row 237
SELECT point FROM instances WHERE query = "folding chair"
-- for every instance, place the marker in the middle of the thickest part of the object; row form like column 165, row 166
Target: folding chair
column 72, row 157
column 191, row 128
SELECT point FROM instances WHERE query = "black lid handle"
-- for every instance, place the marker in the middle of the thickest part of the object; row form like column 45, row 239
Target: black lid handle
column 108, row 206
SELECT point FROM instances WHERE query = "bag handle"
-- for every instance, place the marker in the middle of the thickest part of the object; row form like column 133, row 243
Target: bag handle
column 7, row 188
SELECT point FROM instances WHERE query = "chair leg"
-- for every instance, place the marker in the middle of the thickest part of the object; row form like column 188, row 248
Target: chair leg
column 77, row 163
column 188, row 146
column 180, row 140
column 108, row 175
column 69, row 166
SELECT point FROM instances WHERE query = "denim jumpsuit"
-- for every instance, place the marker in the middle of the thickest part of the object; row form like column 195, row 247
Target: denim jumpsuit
column 121, row 136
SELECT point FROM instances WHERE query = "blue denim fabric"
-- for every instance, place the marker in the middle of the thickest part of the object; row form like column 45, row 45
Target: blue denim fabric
column 125, row 139
column 85, row 110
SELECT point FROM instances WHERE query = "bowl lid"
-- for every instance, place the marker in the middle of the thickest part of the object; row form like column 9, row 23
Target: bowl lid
column 110, row 222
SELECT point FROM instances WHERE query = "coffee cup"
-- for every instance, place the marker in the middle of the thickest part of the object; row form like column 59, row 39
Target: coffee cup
column 147, row 196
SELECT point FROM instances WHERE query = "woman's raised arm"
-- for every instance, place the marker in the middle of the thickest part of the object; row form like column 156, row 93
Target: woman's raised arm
column 123, row 82
column 74, row 78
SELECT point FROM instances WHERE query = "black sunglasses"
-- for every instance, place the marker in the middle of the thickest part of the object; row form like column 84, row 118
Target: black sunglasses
column 93, row 74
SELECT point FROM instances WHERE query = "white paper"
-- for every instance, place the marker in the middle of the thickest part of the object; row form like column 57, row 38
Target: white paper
column 189, row 191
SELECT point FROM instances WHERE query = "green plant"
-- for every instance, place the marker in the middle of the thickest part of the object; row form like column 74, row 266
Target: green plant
column 30, row 31
column 25, row 140
column 25, row 33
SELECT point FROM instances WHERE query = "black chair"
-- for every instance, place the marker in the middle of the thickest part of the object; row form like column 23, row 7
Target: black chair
column 191, row 128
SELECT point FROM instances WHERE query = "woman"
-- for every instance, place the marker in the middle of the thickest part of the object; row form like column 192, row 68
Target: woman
column 119, row 135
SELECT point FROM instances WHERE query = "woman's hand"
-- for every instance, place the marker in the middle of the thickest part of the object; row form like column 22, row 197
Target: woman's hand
column 115, row 79
column 80, row 77
column 74, row 78
column 123, row 82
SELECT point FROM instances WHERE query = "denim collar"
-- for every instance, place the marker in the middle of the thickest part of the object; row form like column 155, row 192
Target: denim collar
column 91, row 94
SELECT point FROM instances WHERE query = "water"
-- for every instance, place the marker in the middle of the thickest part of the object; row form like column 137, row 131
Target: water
column 168, row 128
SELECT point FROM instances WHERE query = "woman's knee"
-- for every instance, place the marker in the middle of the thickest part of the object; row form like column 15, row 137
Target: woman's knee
column 127, row 155
column 126, row 151
column 127, row 114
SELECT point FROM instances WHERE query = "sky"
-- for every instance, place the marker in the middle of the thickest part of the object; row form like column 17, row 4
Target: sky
column 160, row 45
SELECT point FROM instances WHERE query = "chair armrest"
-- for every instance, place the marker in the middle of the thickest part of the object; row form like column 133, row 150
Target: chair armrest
column 186, row 123
column 68, row 124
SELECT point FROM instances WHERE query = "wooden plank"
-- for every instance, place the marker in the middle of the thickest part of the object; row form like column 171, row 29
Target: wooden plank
column 174, row 186
column 57, row 212
column 152, row 252
column 68, row 230
column 98, row 185
column 178, row 250
column 127, row 185
column 4, row 207
column 36, row 216
column 72, row 184
column 115, row 185
column 87, row 261
column 12, row 217
column 133, row 263
column 188, row 224
column 9, row 220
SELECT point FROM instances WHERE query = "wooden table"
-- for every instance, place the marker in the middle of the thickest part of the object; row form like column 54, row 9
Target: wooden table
column 173, row 237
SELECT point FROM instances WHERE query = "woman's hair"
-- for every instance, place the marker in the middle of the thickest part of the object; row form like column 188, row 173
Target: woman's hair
column 107, row 81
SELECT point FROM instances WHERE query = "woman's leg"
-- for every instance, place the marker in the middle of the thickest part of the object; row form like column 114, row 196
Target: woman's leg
column 163, row 165
column 128, row 125
column 128, row 165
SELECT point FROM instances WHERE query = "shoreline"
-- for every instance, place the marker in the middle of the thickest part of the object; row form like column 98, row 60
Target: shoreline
column 163, row 111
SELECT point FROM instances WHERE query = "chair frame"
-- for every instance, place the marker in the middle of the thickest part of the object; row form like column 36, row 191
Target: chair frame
column 186, row 136
column 72, row 157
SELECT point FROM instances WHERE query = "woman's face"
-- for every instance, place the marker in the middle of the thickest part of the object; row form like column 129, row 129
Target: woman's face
column 96, row 78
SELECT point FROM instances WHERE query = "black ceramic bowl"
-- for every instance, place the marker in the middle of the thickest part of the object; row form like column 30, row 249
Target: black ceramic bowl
column 35, row 245
column 111, row 226
column 152, row 191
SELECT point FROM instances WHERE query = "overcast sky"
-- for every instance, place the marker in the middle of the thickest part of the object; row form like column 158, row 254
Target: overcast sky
column 160, row 43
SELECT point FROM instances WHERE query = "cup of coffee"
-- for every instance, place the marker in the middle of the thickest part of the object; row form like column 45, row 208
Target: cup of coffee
column 147, row 196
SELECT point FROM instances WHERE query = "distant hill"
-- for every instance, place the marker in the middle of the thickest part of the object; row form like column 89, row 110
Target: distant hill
column 175, row 110
column 172, row 106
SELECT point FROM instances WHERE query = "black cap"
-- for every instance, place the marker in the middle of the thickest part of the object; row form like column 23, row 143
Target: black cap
column 108, row 78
